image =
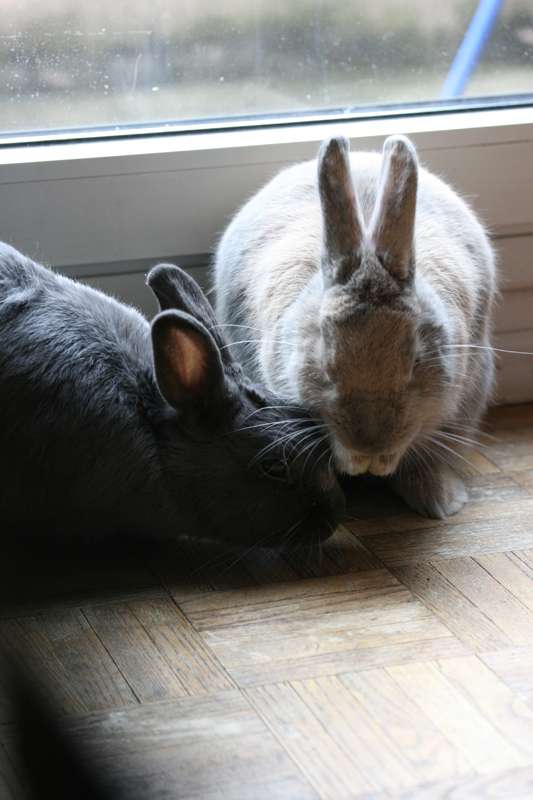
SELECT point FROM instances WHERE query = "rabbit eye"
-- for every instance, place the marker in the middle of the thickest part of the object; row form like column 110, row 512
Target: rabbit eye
column 415, row 372
column 275, row 469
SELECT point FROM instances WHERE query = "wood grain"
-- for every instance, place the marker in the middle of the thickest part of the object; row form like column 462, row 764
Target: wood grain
column 182, row 646
column 495, row 701
column 515, row 667
column 422, row 744
column 489, row 596
column 526, row 557
column 188, row 747
column 478, row 464
column 515, row 785
column 334, row 773
column 491, row 496
column 144, row 667
column 512, row 573
column 523, row 479
column 455, row 610
column 471, row 734
column 456, row 540
column 393, row 663
column 68, row 660
column 260, row 635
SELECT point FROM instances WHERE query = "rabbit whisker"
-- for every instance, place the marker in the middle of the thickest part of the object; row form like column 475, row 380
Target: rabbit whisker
column 285, row 441
column 456, row 437
column 288, row 441
column 265, row 425
column 422, row 452
column 352, row 518
column 236, row 325
column 468, row 442
column 213, row 562
column 334, row 551
column 455, row 454
column 472, row 429
column 246, row 341
column 242, row 555
column 292, row 531
column 486, row 347
column 311, row 447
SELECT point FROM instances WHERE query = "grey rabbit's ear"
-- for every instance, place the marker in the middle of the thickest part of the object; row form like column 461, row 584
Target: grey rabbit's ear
column 188, row 365
column 393, row 221
column 343, row 226
column 175, row 289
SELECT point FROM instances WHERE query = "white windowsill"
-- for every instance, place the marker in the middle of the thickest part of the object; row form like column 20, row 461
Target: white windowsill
column 466, row 126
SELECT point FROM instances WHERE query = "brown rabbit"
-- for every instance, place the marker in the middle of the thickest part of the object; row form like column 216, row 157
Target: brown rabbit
column 363, row 287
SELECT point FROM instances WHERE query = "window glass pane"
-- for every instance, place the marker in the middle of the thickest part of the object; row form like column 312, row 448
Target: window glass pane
column 65, row 63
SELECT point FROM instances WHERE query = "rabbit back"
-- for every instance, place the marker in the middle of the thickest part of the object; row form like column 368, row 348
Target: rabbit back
column 73, row 366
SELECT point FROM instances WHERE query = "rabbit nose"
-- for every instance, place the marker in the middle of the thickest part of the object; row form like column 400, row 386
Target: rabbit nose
column 377, row 429
column 370, row 442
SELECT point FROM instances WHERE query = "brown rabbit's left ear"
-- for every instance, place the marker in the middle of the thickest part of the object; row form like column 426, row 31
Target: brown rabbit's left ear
column 342, row 218
column 393, row 221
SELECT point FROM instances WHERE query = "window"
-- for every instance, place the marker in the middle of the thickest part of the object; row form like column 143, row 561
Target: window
column 66, row 64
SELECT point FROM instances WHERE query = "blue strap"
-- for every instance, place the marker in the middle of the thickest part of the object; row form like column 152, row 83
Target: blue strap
column 471, row 47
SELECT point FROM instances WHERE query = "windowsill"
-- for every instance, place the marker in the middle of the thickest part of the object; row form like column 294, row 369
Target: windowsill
column 465, row 125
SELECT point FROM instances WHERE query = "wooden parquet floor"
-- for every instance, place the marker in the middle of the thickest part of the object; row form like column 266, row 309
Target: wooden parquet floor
column 398, row 664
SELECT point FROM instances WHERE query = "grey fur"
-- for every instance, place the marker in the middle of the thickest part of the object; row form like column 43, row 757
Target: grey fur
column 367, row 285
column 92, row 443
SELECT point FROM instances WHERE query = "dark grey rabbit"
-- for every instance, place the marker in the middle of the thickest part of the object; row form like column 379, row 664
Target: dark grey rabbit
column 112, row 426
column 366, row 285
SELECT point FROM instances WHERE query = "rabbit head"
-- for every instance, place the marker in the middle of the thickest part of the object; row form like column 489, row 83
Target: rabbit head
column 382, row 335
column 263, row 463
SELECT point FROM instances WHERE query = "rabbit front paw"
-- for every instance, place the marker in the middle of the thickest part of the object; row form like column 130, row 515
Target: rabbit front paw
column 437, row 495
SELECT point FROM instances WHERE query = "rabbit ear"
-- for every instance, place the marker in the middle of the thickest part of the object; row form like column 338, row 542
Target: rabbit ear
column 343, row 226
column 175, row 289
column 188, row 365
column 393, row 221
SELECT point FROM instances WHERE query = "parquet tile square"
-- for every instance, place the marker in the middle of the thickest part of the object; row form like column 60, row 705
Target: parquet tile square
column 265, row 636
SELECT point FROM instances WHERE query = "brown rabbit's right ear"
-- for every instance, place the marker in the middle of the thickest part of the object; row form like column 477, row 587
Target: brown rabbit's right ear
column 188, row 365
column 393, row 222
column 343, row 226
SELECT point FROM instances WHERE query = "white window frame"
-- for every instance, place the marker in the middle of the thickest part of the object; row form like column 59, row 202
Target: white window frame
column 114, row 206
